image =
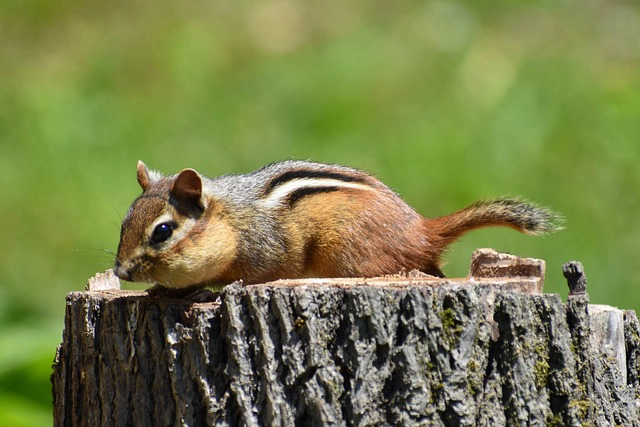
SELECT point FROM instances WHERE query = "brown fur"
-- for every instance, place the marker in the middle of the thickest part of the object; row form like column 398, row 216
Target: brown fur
column 356, row 233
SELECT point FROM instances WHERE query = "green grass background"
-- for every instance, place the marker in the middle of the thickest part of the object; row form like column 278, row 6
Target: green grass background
column 445, row 101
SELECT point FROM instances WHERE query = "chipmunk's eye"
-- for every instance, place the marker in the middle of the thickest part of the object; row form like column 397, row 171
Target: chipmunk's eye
column 162, row 232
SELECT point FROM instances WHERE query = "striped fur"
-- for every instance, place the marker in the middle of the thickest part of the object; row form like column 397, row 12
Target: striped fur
column 291, row 219
column 297, row 188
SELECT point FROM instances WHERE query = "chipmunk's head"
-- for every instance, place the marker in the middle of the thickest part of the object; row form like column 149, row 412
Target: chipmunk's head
column 173, row 234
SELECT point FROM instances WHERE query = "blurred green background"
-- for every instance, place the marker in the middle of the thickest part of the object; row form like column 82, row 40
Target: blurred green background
column 445, row 101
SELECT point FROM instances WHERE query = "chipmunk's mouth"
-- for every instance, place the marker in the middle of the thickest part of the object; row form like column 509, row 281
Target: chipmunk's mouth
column 131, row 271
column 134, row 270
column 123, row 272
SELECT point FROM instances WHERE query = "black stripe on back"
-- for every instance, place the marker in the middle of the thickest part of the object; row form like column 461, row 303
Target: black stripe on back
column 303, row 173
column 298, row 194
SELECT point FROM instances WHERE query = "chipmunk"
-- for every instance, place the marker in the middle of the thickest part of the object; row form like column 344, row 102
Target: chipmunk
column 291, row 219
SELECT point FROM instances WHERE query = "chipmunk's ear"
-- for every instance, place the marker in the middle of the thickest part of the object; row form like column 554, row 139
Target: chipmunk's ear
column 187, row 189
column 143, row 175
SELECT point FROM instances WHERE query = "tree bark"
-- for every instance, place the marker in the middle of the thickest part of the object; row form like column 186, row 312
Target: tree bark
column 483, row 351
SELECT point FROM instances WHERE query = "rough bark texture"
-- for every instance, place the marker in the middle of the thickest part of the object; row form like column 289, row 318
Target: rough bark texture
column 412, row 351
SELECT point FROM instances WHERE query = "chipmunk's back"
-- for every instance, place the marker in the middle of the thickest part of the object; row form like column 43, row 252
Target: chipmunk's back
column 291, row 219
column 276, row 180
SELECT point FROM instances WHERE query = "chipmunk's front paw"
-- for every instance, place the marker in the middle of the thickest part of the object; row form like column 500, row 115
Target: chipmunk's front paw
column 203, row 295
column 192, row 293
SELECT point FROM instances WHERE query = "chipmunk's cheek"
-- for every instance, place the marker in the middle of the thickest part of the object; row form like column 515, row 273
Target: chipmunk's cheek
column 174, row 271
column 193, row 267
column 207, row 257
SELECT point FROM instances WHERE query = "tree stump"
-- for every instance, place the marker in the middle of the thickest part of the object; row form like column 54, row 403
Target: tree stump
column 486, row 350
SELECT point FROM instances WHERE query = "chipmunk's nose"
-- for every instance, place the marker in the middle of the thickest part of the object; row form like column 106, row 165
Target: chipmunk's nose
column 121, row 272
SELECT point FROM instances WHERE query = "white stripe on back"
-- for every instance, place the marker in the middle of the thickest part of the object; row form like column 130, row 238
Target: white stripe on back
column 281, row 192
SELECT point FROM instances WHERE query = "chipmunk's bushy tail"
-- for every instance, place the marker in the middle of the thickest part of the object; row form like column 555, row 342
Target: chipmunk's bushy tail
column 509, row 212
